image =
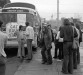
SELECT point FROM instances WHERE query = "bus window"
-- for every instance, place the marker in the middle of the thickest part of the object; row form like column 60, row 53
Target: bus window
column 9, row 17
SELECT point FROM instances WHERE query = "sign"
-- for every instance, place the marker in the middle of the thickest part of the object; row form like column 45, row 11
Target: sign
column 15, row 10
column 19, row 11
column 21, row 18
column 11, row 28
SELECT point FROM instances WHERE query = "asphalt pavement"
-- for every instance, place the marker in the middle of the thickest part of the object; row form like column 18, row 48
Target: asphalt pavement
column 15, row 67
column 35, row 67
column 12, row 65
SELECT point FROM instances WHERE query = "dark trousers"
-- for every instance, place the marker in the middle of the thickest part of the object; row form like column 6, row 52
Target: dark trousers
column 29, row 48
column 78, row 56
column 75, row 58
column 67, row 65
column 46, row 55
column 58, row 45
column 2, row 65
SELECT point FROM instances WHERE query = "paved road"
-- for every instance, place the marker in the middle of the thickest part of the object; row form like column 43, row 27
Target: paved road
column 36, row 68
column 13, row 62
column 15, row 67
column 12, row 65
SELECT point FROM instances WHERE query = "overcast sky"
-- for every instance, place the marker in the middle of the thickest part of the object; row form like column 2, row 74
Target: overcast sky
column 68, row 8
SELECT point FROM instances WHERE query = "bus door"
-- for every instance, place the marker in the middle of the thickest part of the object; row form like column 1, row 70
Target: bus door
column 21, row 19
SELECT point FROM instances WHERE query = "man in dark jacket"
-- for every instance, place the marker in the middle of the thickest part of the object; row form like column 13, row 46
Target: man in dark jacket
column 46, row 46
column 66, row 33
column 49, row 27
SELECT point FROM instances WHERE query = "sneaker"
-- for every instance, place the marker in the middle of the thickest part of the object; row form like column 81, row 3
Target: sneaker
column 58, row 60
column 64, row 72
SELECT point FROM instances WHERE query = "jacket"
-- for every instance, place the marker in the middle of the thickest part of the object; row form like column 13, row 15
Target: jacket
column 46, row 40
column 66, row 33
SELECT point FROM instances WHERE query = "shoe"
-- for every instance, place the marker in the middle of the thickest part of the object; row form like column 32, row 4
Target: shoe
column 23, row 56
column 43, row 62
column 58, row 60
column 48, row 63
column 70, row 72
column 64, row 72
column 75, row 68
column 55, row 57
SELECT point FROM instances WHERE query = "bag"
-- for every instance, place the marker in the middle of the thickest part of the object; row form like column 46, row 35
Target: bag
column 75, row 44
column 75, row 41
column 60, row 39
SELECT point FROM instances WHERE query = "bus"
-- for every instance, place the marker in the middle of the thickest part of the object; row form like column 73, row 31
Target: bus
column 15, row 14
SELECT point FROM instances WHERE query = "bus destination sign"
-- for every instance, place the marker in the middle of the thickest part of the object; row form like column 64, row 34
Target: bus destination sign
column 15, row 10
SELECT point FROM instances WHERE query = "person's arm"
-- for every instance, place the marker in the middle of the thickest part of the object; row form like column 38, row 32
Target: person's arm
column 33, row 33
column 80, row 38
column 27, row 32
column 75, row 33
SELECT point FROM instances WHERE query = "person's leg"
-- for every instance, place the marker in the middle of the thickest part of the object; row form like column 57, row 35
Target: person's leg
column 60, row 50
column 74, row 58
column 56, row 49
column 70, row 66
column 23, row 50
column 78, row 56
column 49, row 56
column 65, row 59
column 43, row 53
column 29, row 45
column 65, row 64
column 19, row 49
column 27, row 41
column 2, row 65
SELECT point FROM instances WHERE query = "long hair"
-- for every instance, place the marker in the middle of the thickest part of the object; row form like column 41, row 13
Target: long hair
column 77, row 26
column 66, row 22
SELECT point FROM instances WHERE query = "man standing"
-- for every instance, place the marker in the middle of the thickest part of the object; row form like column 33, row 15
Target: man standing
column 3, row 41
column 66, row 33
column 29, row 38
column 46, row 46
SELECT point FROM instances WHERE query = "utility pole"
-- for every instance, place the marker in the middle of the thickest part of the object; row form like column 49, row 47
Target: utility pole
column 57, row 13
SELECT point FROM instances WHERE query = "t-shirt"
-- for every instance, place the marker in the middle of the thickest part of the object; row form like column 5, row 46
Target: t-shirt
column 3, row 41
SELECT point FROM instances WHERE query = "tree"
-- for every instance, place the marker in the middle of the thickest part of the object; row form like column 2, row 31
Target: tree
column 3, row 2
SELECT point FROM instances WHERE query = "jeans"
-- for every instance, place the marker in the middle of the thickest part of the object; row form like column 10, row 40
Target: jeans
column 29, row 48
column 59, row 45
column 67, row 65
column 75, row 58
column 21, row 51
column 46, row 55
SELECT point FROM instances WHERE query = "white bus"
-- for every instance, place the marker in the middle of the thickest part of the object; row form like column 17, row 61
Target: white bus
column 15, row 14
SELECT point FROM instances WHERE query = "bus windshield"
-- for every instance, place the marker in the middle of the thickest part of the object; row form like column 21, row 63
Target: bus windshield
column 17, row 17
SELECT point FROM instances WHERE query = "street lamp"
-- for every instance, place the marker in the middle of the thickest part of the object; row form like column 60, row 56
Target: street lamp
column 57, row 12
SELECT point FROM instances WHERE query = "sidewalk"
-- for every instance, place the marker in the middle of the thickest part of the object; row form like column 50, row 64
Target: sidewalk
column 35, row 67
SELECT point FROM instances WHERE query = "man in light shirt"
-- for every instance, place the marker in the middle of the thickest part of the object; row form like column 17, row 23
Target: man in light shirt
column 3, row 41
column 29, row 38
